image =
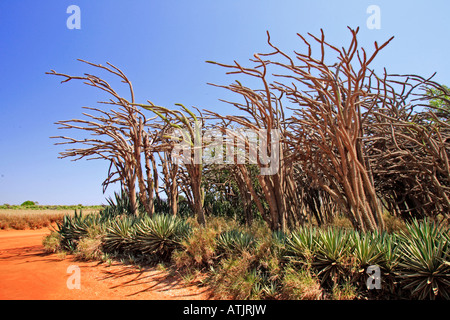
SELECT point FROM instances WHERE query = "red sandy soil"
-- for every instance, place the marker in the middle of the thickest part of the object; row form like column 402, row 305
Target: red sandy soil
column 27, row 272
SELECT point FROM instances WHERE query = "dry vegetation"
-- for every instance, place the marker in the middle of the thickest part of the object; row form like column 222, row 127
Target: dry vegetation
column 23, row 219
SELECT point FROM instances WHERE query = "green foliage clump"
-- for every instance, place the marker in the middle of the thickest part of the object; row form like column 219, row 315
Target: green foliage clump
column 160, row 235
column 235, row 241
column 27, row 203
column 74, row 227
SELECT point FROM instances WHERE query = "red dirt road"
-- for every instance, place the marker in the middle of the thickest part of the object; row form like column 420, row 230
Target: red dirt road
column 28, row 273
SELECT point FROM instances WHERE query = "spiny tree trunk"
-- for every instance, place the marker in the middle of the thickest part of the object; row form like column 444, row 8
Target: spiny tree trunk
column 186, row 124
column 170, row 180
column 195, row 171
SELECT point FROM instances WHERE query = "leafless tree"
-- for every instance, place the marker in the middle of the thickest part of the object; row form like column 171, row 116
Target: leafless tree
column 264, row 114
column 119, row 136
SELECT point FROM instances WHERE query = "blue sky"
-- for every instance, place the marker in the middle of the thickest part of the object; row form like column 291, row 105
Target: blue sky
column 162, row 46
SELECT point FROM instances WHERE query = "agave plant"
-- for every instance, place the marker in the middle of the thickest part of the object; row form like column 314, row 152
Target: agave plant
column 302, row 244
column 120, row 235
column 366, row 249
column 279, row 240
column 388, row 245
column 121, row 205
column 332, row 254
column 73, row 228
column 235, row 241
column 365, row 252
column 161, row 234
column 425, row 253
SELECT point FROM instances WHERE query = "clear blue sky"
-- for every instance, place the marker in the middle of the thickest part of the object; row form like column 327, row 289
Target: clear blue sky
column 162, row 47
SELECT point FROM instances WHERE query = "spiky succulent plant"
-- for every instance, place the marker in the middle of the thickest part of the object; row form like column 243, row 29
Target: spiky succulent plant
column 73, row 227
column 332, row 254
column 425, row 260
column 234, row 241
column 119, row 236
column 161, row 234
column 301, row 245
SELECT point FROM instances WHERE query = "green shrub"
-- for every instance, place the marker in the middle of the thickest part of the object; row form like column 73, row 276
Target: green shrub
column 27, row 203
column 250, row 265
column 269, row 253
column 345, row 291
column 89, row 247
column 236, row 278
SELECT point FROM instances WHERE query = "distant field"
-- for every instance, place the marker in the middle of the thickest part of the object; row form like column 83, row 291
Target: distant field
column 26, row 218
column 48, row 207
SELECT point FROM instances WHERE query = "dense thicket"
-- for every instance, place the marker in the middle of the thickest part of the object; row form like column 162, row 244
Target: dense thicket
column 333, row 139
